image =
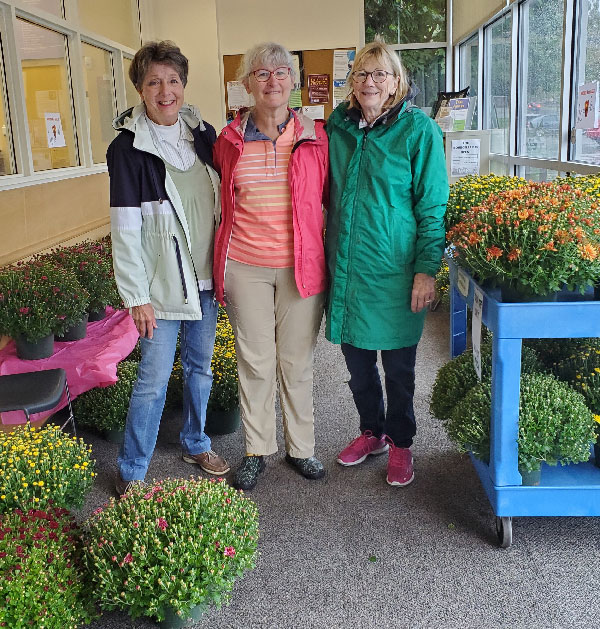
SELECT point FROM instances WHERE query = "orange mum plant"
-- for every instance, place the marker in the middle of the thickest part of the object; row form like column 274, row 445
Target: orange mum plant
column 534, row 239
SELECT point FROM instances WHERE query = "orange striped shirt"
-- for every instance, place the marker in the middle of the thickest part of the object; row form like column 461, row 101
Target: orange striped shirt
column 263, row 232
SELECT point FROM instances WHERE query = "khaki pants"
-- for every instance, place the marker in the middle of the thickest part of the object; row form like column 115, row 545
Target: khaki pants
column 275, row 336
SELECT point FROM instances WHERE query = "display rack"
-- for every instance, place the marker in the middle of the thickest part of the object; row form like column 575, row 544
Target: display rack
column 571, row 490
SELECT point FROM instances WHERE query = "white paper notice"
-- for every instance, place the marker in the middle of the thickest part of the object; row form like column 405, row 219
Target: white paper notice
column 342, row 64
column 465, row 157
column 340, row 92
column 237, row 97
column 316, row 112
column 587, row 106
column 54, row 131
column 463, row 283
column 476, row 329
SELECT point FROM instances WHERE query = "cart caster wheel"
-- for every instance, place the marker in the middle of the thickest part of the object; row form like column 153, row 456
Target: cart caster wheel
column 504, row 531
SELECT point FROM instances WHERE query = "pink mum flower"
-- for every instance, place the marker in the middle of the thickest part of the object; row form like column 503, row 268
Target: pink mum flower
column 229, row 551
column 128, row 558
column 162, row 524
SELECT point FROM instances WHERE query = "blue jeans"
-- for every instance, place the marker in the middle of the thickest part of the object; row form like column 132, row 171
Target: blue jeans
column 398, row 423
column 149, row 392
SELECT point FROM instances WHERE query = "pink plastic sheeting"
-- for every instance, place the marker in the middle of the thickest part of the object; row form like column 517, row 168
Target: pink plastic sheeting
column 90, row 362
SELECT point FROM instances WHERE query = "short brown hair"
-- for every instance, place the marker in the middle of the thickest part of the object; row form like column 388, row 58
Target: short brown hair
column 165, row 52
column 381, row 52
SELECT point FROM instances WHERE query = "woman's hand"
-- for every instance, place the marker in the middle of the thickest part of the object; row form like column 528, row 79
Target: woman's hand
column 144, row 319
column 423, row 292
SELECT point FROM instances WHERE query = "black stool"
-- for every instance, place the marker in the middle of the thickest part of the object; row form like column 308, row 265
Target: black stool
column 35, row 392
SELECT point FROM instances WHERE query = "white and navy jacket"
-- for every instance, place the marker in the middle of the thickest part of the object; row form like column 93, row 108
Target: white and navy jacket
column 153, row 248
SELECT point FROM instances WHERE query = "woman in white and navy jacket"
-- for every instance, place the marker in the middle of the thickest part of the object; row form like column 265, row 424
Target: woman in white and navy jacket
column 164, row 197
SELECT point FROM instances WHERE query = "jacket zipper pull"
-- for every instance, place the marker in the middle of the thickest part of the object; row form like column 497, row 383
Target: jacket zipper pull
column 160, row 201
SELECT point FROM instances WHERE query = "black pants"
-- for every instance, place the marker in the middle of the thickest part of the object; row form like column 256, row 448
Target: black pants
column 399, row 368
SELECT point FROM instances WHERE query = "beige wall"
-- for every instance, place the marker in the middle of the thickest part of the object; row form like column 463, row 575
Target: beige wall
column 192, row 25
column 34, row 218
column 468, row 15
column 304, row 25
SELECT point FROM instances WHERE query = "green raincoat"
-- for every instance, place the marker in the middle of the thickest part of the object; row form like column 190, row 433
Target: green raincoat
column 388, row 195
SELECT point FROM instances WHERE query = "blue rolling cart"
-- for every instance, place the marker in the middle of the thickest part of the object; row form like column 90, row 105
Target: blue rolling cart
column 571, row 490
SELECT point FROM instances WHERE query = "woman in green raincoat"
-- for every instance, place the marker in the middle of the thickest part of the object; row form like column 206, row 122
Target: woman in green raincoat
column 384, row 243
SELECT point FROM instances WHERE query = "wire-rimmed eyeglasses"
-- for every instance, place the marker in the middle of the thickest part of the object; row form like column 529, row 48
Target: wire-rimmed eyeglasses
column 378, row 76
column 263, row 75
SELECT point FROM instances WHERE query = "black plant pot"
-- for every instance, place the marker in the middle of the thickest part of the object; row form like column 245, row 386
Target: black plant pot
column 75, row 332
column 97, row 315
column 36, row 350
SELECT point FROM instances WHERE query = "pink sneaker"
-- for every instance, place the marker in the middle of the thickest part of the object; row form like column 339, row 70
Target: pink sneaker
column 400, row 467
column 360, row 448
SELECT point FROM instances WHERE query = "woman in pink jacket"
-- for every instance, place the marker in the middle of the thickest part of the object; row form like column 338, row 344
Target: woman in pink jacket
column 269, row 264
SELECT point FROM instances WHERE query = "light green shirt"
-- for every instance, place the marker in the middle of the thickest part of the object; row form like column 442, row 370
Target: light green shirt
column 198, row 199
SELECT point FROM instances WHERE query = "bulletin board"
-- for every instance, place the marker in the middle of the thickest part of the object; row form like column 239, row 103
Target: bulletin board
column 314, row 62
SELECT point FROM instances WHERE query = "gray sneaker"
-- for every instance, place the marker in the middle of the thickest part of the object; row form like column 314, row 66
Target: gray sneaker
column 246, row 475
column 310, row 468
column 123, row 486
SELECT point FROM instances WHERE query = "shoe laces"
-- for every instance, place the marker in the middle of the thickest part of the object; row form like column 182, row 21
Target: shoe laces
column 398, row 457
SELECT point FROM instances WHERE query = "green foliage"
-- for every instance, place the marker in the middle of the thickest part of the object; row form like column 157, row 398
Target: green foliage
column 39, row 465
column 91, row 262
column 553, row 351
column 442, row 285
column 41, row 579
column 555, row 426
column 455, row 379
column 171, row 545
column 38, row 298
column 106, row 408
column 581, row 370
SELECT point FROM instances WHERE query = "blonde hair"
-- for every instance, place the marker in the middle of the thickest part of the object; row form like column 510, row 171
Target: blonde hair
column 382, row 53
column 265, row 54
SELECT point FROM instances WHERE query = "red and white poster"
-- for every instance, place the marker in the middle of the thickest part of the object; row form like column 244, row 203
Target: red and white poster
column 318, row 88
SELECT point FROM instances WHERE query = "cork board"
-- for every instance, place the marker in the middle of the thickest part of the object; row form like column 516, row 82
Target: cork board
column 314, row 62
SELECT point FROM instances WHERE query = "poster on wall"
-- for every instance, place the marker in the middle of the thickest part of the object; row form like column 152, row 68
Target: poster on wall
column 237, row 96
column 318, row 88
column 342, row 64
column 54, row 131
column 340, row 92
column 316, row 112
column 587, row 106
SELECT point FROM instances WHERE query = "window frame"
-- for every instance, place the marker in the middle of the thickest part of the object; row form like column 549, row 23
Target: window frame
column 516, row 164
column 14, row 95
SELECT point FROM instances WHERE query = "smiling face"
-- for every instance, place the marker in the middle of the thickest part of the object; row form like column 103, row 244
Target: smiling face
column 372, row 96
column 273, row 94
column 162, row 93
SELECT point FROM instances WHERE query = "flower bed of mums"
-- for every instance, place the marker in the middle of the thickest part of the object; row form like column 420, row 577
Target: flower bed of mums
column 171, row 546
column 533, row 239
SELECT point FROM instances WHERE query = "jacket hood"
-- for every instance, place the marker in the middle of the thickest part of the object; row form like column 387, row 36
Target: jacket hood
column 129, row 119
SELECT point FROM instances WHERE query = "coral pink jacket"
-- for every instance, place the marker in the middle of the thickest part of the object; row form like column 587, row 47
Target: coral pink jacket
column 308, row 179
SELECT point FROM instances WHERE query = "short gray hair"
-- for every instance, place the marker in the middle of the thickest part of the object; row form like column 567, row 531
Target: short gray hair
column 165, row 52
column 265, row 54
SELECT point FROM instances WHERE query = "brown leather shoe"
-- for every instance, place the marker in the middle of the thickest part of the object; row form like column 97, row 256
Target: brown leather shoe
column 209, row 461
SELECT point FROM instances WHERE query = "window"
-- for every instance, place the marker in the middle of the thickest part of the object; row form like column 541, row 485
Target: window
column 131, row 94
column 469, row 68
column 541, row 40
column 50, row 6
column 404, row 22
column 115, row 19
column 427, row 69
column 498, row 56
column 6, row 157
column 586, row 69
column 47, row 96
column 100, row 99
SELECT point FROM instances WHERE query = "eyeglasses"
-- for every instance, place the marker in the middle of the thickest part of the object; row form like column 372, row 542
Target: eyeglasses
column 378, row 76
column 263, row 74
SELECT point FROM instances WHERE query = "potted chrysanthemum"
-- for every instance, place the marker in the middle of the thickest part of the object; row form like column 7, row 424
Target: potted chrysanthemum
column 171, row 548
column 532, row 241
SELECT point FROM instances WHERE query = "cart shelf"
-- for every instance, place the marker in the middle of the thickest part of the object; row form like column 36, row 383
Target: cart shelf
column 572, row 490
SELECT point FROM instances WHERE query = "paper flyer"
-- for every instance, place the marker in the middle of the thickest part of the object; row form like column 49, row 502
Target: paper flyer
column 465, row 157
column 316, row 112
column 295, row 98
column 342, row 63
column 54, row 131
column 340, row 92
column 587, row 106
column 237, row 96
